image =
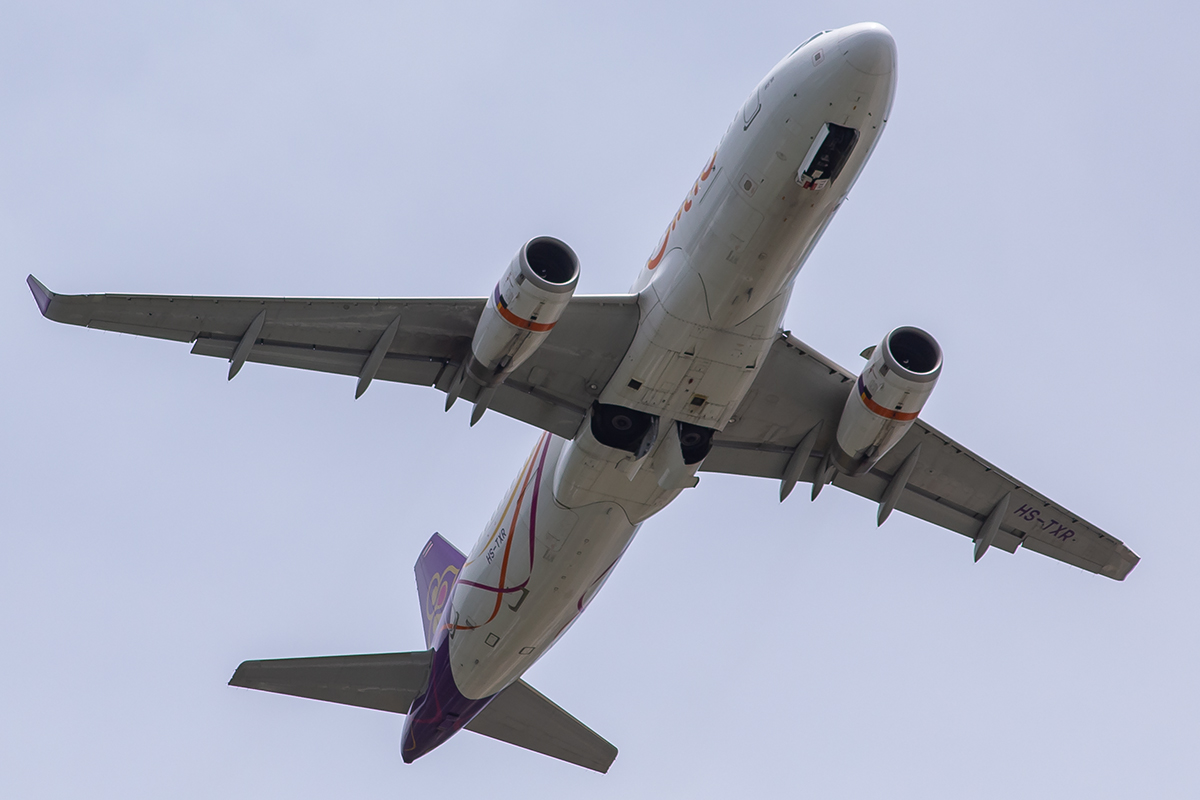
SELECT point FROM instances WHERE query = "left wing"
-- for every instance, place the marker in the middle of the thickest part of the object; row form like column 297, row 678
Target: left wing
column 949, row 485
column 410, row 340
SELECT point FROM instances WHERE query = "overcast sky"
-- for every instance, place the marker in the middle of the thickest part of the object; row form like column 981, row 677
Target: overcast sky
column 1033, row 204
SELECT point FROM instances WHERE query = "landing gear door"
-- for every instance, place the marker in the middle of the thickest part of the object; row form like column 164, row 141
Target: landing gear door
column 829, row 152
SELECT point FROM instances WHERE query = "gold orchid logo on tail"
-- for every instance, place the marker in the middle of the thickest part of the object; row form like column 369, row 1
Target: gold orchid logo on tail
column 437, row 595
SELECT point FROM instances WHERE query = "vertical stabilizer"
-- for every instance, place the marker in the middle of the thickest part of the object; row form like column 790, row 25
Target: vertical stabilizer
column 437, row 569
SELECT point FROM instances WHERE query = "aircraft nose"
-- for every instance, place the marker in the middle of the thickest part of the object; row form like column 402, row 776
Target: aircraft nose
column 869, row 48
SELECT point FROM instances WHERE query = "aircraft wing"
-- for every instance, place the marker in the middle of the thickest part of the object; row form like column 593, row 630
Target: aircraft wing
column 949, row 485
column 411, row 340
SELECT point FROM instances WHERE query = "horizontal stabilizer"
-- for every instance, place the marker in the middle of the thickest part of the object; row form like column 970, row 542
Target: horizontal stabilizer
column 523, row 716
column 383, row 681
column 519, row 715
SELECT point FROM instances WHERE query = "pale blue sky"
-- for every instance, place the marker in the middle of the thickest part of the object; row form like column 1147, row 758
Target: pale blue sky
column 1032, row 204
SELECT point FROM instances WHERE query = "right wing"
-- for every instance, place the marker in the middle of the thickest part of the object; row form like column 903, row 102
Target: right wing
column 431, row 336
column 948, row 485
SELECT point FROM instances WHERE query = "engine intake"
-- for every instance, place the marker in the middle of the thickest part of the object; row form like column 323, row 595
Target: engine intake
column 523, row 308
column 887, row 397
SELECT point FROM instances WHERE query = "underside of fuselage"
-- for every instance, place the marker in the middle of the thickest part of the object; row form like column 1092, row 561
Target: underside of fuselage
column 711, row 298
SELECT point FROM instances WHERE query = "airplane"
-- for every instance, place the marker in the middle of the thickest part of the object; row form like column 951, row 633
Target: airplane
column 634, row 394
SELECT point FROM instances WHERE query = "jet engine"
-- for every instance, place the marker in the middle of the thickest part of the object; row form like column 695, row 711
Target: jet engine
column 523, row 308
column 899, row 377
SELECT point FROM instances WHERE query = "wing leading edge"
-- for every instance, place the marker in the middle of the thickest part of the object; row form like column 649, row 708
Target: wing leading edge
column 948, row 485
column 426, row 338
column 406, row 340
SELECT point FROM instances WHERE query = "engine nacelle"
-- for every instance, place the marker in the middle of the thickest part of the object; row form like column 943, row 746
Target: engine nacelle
column 893, row 387
column 523, row 308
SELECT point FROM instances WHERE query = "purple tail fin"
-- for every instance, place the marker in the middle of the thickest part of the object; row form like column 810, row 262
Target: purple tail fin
column 437, row 569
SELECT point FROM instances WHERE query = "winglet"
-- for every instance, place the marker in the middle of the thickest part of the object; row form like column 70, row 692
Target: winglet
column 41, row 294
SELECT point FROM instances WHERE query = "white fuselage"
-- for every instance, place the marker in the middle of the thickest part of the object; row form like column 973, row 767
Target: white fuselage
column 712, row 296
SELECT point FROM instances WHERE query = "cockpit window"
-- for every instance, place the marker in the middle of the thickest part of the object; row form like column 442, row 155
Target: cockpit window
column 806, row 41
column 830, row 150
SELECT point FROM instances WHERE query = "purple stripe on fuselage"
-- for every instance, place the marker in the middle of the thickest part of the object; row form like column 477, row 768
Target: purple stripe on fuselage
column 443, row 710
column 533, row 504
column 537, row 484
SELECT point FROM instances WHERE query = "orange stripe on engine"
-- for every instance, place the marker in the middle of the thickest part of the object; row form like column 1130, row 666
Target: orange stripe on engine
column 513, row 319
column 888, row 413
